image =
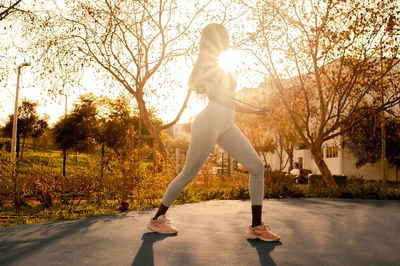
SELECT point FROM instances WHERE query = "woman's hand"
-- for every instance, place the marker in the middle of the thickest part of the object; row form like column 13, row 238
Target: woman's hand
column 263, row 111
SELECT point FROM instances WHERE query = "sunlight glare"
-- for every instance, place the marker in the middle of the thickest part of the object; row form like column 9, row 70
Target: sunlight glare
column 227, row 60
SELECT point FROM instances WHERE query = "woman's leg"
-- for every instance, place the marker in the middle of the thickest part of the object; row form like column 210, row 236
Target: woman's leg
column 161, row 211
column 234, row 142
column 204, row 138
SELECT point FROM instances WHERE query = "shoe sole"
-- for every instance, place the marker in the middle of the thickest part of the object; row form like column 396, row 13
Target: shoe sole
column 262, row 238
column 157, row 230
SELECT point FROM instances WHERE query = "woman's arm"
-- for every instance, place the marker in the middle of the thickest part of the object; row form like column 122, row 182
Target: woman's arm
column 243, row 109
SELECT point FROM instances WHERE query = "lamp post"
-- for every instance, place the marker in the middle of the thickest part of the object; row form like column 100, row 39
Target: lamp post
column 14, row 129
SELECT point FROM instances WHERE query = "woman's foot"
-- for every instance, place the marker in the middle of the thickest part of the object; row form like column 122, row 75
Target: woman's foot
column 162, row 225
column 262, row 232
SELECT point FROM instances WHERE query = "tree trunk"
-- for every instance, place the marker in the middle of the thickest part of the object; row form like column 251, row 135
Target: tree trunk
column 150, row 127
column 44, row 144
column 23, row 145
column 323, row 168
column 17, row 148
column 155, row 147
column 64, row 161
column 17, row 195
column 34, row 140
column 229, row 166
column 102, row 160
column 290, row 155
column 264, row 157
column 279, row 153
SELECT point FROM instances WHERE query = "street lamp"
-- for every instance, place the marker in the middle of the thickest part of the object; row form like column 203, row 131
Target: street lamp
column 14, row 129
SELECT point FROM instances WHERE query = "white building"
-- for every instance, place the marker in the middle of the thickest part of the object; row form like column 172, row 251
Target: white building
column 339, row 161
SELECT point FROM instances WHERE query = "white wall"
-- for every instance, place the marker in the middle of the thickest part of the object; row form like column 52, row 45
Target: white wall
column 367, row 171
column 273, row 161
column 344, row 164
column 308, row 163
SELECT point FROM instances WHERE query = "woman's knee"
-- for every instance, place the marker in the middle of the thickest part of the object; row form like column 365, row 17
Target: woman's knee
column 188, row 174
column 257, row 169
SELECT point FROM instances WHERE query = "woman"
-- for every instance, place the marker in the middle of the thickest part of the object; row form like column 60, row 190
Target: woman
column 215, row 124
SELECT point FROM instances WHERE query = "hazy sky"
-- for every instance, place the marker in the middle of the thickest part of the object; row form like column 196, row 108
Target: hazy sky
column 167, row 108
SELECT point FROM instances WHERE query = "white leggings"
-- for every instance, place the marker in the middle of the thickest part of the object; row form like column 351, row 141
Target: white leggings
column 215, row 124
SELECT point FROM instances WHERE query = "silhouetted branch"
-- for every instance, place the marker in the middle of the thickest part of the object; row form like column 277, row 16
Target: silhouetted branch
column 8, row 10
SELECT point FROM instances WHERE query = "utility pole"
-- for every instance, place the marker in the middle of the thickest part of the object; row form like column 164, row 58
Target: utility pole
column 15, row 121
column 17, row 200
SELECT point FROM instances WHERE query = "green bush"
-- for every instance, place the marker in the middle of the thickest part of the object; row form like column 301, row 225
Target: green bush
column 316, row 180
column 276, row 177
column 284, row 190
column 340, row 180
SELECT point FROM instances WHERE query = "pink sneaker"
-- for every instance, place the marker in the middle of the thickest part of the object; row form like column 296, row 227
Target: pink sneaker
column 162, row 225
column 262, row 232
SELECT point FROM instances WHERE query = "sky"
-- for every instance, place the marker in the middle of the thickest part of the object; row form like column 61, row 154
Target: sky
column 167, row 108
column 173, row 90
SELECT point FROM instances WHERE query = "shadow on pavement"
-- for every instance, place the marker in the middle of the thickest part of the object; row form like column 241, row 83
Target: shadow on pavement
column 35, row 237
column 337, row 202
column 145, row 255
column 263, row 250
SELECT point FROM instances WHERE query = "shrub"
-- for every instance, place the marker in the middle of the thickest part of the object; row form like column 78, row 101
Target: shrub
column 340, row 180
column 43, row 181
column 316, row 180
column 11, row 185
column 283, row 190
column 6, row 145
column 277, row 177
column 5, row 173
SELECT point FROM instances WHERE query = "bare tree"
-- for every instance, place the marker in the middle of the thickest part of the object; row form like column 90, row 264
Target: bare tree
column 128, row 40
column 335, row 55
column 285, row 134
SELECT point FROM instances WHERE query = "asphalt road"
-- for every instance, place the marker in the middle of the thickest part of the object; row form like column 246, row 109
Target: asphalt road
column 313, row 232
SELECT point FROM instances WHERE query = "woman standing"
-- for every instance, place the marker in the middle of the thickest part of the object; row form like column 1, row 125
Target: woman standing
column 215, row 124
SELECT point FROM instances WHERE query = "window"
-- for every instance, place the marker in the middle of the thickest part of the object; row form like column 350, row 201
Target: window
column 332, row 151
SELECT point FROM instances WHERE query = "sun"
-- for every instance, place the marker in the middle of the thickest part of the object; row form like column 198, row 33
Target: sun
column 228, row 60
